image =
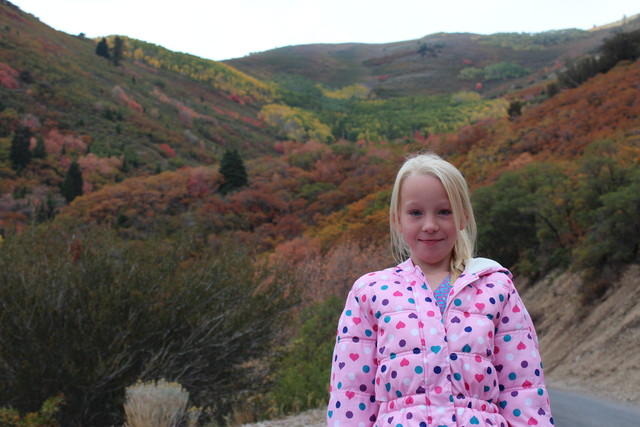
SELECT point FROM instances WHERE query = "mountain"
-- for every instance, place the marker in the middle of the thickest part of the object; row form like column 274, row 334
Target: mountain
column 432, row 64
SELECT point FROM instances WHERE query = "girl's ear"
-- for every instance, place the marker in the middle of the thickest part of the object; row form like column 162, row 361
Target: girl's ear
column 463, row 222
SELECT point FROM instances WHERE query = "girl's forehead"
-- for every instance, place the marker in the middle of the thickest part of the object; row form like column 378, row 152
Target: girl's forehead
column 421, row 180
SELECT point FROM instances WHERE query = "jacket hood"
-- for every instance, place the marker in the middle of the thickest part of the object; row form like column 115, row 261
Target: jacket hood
column 481, row 266
column 476, row 268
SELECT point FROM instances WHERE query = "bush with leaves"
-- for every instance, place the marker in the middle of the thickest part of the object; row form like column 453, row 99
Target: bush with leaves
column 523, row 219
column 86, row 315
column 45, row 417
column 624, row 46
column 303, row 370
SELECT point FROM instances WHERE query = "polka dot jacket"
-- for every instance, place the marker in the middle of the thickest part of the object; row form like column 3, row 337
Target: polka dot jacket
column 399, row 362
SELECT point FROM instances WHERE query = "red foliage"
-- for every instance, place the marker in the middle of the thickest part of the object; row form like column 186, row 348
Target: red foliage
column 127, row 100
column 199, row 184
column 8, row 77
column 565, row 124
column 54, row 142
column 168, row 151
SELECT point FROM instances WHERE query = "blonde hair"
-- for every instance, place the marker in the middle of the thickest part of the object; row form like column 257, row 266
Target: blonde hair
column 458, row 193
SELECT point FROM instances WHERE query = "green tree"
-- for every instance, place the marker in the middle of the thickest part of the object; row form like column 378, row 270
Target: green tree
column 72, row 185
column 505, row 230
column 40, row 151
column 624, row 46
column 524, row 219
column 118, row 51
column 233, row 171
column 102, row 49
column 515, row 108
column 20, row 154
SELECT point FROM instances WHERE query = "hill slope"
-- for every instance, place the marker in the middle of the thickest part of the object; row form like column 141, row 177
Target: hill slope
column 430, row 65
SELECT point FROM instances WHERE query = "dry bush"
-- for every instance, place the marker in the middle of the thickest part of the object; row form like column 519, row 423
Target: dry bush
column 158, row 404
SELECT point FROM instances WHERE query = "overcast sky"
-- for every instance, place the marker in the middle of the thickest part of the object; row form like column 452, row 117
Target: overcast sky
column 224, row 29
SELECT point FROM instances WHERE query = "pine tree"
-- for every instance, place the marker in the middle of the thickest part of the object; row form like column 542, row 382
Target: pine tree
column 103, row 49
column 233, row 171
column 72, row 185
column 20, row 154
column 40, row 152
column 118, row 50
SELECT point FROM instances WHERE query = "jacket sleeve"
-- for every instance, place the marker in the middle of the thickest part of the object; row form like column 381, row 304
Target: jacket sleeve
column 352, row 393
column 523, row 397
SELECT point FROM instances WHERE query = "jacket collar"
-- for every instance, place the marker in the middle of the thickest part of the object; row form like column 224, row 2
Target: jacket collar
column 474, row 269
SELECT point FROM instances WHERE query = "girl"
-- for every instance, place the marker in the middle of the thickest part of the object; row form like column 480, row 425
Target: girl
column 443, row 339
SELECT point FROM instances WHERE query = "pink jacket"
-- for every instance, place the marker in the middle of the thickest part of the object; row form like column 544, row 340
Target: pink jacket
column 399, row 362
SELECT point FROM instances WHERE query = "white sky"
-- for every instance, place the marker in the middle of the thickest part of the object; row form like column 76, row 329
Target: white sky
column 224, row 29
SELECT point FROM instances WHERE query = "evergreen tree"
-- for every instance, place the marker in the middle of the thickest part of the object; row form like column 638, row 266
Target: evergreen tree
column 40, row 152
column 20, row 154
column 103, row 49
column 72, row 185
column 233, row 170
column 118, row 51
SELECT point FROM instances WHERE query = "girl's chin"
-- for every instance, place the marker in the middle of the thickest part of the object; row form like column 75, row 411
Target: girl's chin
column 429, row 242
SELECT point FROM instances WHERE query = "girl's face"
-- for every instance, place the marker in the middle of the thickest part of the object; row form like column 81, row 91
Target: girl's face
column 426, row 222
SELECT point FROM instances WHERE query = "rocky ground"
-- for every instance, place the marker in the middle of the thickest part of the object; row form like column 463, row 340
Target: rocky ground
column 592, row 350
column 313, row 418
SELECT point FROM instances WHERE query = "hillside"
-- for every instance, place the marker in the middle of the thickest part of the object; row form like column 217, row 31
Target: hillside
column 153, row 99
column 590, row 350
column 321, row 130
column 430, row 65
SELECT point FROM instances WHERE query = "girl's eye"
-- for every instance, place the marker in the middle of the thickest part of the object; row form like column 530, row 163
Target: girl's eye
column 414, row 213
column 444, row 212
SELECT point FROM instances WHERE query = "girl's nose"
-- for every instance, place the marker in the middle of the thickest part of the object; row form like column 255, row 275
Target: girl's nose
column 429, row 225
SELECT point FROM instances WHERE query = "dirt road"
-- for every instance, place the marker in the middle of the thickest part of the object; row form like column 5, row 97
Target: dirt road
column 571, row 409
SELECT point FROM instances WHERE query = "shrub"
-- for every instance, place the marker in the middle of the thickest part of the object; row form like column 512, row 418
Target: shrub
column 303, row 370
column 155, row 403
column 45, row 417
column 89, row 314
column 523, row 219
column 624, row 46
column 505, row 71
